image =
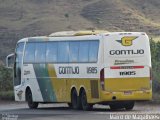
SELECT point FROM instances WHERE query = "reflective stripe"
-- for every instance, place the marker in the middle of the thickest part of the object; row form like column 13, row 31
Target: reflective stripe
column 126, row 67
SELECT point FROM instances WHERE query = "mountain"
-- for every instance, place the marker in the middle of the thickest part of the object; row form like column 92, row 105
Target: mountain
column 24, row 18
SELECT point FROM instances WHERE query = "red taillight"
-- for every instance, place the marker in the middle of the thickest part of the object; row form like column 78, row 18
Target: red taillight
column 102, row 79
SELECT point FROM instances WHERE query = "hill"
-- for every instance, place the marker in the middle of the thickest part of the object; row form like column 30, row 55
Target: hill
column 24, row 18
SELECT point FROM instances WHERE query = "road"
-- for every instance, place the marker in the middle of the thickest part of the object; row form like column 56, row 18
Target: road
column 20, row 111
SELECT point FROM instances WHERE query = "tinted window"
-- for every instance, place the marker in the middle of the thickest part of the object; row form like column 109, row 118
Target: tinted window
column 40, row 52
column 83, row 51
column 73, row 51
column 29, row 52
column 18, row 64
column 93, row 51
column 51, row 52
column 63, row 52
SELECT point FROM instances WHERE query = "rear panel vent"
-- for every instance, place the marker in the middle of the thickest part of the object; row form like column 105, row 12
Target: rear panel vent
column 94, row 89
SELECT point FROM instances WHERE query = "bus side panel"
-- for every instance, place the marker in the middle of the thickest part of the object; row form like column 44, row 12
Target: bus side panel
column 29, row 80
column 58, row 84
column 78, row 78
column 44, row 81
column 84, row 75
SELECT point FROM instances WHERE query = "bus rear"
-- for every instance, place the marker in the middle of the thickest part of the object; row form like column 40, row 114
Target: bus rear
column 126, row 75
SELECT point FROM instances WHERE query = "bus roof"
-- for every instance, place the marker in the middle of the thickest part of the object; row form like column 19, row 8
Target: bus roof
column 84, row 33
column 77, row 33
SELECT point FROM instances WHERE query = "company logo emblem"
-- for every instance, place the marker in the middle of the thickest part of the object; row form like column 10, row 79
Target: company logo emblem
column 127, row 40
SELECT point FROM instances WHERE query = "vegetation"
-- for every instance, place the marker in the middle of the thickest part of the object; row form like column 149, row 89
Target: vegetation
column 6, row 87
column 155, row 52
column 7, row 95
column 43, row 17
column 66, row 15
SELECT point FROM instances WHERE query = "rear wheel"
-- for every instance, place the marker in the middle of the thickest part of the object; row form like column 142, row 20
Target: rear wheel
column 122, row 105
column 75, row 102
column 31, row 104
column 85, row 105
column 69, row 105
column 115, row 107
column 129, row 105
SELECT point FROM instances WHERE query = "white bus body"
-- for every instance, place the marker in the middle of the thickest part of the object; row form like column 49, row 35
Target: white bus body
column 104, row 68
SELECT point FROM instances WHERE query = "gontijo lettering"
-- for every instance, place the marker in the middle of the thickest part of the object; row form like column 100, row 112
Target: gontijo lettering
column 126, row 52
column 68, row 70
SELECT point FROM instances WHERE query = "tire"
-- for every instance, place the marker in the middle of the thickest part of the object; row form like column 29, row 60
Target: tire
column 31, row 104
column 121, row 105
column 116, row 106
column 69, row 105
column 129, row 105
column 113, row 107
column 85, row 105
column 75, row 102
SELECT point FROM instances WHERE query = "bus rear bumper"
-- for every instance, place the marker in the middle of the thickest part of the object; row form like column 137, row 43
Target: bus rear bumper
column 128, row 95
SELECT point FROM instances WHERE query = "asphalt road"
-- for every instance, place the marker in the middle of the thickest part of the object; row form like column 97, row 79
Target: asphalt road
column 20, row 111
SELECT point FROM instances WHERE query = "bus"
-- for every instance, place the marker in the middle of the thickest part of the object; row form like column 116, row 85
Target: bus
column 83, row 68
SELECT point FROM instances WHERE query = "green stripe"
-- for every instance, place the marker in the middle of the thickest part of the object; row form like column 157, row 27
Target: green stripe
column 44, row 82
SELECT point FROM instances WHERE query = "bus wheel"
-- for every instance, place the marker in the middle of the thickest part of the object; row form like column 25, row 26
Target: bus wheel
column 85, row 105
column 113, row 107
column 117, row 106
column 31, row 104
column 75, row 103
column 69, row 105
column 129, row 105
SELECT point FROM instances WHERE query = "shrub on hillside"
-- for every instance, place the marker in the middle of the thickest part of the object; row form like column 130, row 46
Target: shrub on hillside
column 6, row 79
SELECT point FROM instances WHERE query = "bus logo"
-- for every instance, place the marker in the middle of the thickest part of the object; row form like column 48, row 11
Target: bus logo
column 127, row 40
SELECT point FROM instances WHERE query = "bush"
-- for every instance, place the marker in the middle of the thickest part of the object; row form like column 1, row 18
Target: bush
column 66, row 15
column 6, row 86
column 155, row 52
column 7, row 95
column 6, row 79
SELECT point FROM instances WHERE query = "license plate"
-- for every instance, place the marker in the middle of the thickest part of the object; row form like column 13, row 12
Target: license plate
column 127, row 92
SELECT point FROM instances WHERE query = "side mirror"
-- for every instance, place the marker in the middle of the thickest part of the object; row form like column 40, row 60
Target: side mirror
column 10, row 61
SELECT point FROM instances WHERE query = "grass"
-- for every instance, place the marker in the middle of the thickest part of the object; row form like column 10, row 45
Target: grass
column 156, row 97
column 156, row 38
column 6, row 95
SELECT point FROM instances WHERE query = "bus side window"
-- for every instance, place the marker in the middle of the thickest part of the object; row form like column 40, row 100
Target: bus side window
column 63, row 52
column 73, row 52
column 40, row 52
column 29, row 56
column 93, row 51
column 51, row 51
column 83, row 51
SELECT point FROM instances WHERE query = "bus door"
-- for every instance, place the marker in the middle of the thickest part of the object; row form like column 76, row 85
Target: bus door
column 18, row 70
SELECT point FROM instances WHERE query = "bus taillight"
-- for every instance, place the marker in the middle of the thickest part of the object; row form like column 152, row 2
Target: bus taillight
column 102, row 79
